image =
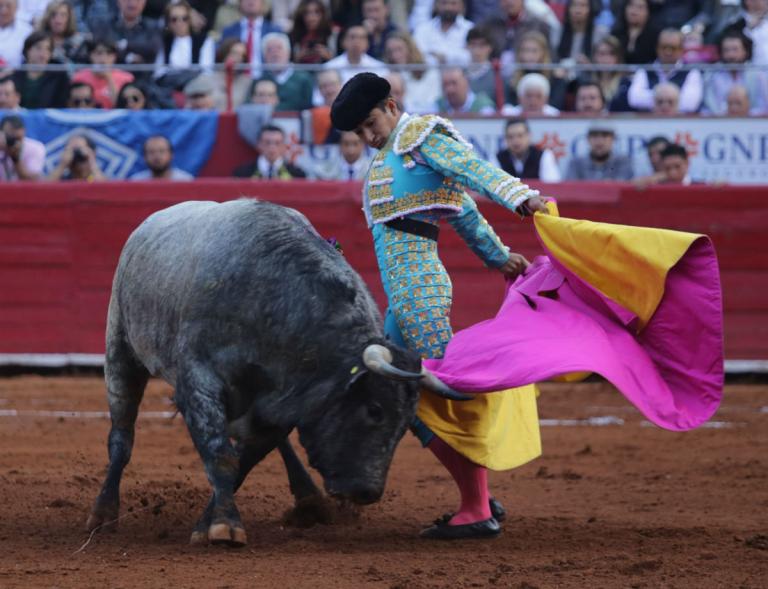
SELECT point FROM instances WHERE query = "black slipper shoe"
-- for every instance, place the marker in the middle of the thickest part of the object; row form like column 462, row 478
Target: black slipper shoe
column 441, row 530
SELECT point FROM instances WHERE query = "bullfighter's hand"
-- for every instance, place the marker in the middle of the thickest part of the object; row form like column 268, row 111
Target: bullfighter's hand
column 536, row 204
column 514, row 266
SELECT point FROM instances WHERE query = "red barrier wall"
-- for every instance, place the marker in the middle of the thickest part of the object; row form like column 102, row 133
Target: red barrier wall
column 59, row 244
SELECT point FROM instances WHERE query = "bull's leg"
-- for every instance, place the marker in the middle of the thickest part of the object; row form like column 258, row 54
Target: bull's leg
column 250, row 454
column 311, row 505
column 203, row 408
column 126, row 380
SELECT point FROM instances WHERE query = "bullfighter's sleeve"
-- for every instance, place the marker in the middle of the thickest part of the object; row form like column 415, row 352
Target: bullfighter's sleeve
column 457, row 161
column 479, row 235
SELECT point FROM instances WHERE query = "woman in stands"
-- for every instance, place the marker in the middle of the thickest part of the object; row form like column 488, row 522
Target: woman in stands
column 637, row 33
column 132, row 96
column 233, row 51
column 422, row 86
column 41, row 89
column 312, row 36
column 578, row 28
column 532, row 49
column 614, row 84
column 184, row 53
column 60, row 24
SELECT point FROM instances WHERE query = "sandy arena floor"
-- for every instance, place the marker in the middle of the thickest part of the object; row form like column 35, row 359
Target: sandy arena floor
column 617, row 505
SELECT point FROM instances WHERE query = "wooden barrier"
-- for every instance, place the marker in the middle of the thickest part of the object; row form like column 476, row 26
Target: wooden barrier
column 59, row 245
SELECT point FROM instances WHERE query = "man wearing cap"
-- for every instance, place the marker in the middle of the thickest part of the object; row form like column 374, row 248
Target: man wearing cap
column 601, row 163
column 200, row 93
column 416, row 180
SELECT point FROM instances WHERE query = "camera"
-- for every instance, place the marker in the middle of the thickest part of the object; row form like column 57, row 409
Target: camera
column 10, row 140
column 78, row 156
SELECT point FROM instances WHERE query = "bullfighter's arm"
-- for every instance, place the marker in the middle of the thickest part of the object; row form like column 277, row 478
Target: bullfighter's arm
column 455, row 160
column 479, row 235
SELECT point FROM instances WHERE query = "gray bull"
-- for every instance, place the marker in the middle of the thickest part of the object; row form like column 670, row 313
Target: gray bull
column 261, row 327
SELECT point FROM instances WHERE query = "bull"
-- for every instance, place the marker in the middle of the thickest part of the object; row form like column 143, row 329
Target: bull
column 260, row 326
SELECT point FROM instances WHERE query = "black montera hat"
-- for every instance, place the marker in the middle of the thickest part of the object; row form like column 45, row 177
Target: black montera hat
column 356, row 100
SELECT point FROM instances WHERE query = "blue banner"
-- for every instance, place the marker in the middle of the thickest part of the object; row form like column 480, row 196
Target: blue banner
column 119, row 136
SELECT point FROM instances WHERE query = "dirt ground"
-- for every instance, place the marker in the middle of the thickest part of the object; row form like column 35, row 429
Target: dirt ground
column 612, row 505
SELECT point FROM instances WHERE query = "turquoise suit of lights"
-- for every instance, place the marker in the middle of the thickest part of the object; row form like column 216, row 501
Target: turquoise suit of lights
column 421, row 174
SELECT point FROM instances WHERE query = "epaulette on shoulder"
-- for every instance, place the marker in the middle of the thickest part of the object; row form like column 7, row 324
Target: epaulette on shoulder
column 417, row 129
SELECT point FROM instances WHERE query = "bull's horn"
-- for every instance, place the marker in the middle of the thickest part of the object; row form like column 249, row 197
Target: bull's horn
column 378, row 359
column 437, row 386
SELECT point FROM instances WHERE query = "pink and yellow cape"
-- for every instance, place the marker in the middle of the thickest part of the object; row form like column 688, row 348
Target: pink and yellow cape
column 642, row 307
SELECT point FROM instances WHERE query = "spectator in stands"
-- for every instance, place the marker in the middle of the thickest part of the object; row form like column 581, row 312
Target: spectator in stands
column 379, row 26
column 40, row 88
column 636, row 33
column 105, row 79
column 59, row 22
column 355, row 58
column 21, row 158
column 578, row 29
column 158, row 155
column 10, row 99
column 666, row 99
column 132, row 96
column 265, row 92
column 482, row 78
column 444, row 38
column 533, row 93
column 138, row 37
column 78, row 161
column 352, row 161
column 655, row 171
column 329, row 86
column 251, row 29
column 183, row 53
column 523, row 160
column 423, row 84
column 201, row 93
column 674, row 163
column 589, row 99
column 282, row 12
column 601, row 163
column 516, row 18
column 293, row 87
column 735, row 48
column 312, row 35
column 753, row 22
column 397, row 86
column 667, row 68
column 738, row 102
column 271, row 163
column 80, row 95
column 678, row 15
column 613, row 84
column 531, row 51
column 93, row 13
column 459, row 98
column 232, row 51
column 13, row 32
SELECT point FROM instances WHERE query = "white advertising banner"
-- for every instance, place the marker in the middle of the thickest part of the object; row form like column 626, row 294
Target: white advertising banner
column 721, row 150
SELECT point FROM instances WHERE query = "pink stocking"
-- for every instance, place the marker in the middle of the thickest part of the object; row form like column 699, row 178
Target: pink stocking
column 472, row 480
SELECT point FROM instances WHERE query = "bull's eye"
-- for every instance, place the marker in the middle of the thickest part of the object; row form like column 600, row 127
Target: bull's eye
column 375, row 412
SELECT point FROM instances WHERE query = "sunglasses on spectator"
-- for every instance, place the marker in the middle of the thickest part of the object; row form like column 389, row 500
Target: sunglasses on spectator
column 179, row 18
column 134, row 98
column 81, row 101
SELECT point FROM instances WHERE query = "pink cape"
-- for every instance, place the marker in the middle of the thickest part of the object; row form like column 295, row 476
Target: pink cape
column 552, row 323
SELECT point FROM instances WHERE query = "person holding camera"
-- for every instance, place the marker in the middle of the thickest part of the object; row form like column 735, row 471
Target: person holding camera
column 21, row 158
column 78, row 161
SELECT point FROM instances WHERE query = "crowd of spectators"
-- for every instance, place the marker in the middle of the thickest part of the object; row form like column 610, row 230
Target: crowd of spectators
column 517, row 58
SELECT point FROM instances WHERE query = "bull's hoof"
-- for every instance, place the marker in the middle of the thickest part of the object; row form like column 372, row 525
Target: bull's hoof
column 198, row 538
column 227, row 534
column 310, row 511
column 104, row 518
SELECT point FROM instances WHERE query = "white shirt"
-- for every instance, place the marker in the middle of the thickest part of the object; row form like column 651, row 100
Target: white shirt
column 176, row 174
column 180, row 55
column 264, row 167
column 422, row 94
column 347, row 70
column 340, row 169
column 759, row 36
column 640, row 95
column 508, row 110
column 429, row 37
column 12, row 41
column 31, row 11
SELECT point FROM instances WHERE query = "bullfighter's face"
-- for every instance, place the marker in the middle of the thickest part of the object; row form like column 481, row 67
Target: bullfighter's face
column 378, row 126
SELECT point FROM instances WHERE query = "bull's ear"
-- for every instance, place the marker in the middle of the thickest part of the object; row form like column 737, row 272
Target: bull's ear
column 355, row 374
